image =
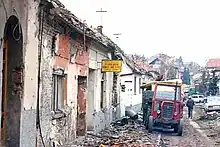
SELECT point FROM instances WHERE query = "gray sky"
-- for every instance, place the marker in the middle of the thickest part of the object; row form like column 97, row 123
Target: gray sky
column 189, row 28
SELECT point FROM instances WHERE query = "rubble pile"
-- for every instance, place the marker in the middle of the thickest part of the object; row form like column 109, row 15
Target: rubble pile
column 210, row 122
column 123, row 133
column 213, row 116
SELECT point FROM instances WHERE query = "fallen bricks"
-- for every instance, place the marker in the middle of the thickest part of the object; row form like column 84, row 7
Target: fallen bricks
column 125, row 132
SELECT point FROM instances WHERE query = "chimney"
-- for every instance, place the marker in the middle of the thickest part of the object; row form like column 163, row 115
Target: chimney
column 99, row 28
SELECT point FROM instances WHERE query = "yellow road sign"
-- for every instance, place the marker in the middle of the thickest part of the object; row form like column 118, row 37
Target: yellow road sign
column 111, row 65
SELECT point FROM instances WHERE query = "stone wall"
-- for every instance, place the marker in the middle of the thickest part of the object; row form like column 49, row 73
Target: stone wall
column 25, row 12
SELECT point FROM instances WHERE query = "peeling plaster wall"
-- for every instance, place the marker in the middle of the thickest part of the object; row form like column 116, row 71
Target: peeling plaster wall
column 60, row 128
column 99, row 118
column 57, row 128
column 21, row 9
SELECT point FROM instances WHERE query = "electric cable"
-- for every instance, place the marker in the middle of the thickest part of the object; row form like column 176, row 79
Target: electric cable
column 19, row 32
column 39, row 71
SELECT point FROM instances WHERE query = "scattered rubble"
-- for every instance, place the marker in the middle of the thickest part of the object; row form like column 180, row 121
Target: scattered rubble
column 210, row 116
column 124, row 133
column 210, row 123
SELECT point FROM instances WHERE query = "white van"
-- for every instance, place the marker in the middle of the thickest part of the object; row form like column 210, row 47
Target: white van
column 198, row 98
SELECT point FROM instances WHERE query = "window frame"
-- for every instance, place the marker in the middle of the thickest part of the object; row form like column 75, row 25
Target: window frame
column 135, row 85
column 140, row 86
column 59, row 97
column 103, row 90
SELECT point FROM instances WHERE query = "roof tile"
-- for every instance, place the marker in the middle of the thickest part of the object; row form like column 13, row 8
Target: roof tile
column 213, row 63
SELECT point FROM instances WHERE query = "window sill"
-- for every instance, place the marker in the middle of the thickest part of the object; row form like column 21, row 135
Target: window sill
column 116, row 104
column 58, row 114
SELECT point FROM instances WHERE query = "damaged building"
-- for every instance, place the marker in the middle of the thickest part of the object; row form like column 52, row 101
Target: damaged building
column 53, row 90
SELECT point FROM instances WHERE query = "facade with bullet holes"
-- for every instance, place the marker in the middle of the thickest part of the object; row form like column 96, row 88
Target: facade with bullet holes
column 53, row 89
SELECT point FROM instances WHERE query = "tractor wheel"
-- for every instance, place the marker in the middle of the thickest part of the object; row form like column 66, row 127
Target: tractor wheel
column 180, row 128
column 150, row 124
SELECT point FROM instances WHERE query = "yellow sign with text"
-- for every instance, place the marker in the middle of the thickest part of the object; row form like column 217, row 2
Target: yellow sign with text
column 111, row 65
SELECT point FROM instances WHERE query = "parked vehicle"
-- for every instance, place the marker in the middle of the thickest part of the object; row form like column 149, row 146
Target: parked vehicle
column 198, row 98
column 162, row 104
column 212, row 104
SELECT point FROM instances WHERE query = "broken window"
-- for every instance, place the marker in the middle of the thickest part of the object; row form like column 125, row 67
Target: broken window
column 103, row 88
column 59, row 92
column 135, row 85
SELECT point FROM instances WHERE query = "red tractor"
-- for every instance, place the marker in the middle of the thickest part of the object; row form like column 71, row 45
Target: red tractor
column 162, row 104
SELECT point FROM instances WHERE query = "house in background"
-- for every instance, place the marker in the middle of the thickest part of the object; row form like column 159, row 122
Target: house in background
column 213, row 72
column 159, row 62
column 132, row 76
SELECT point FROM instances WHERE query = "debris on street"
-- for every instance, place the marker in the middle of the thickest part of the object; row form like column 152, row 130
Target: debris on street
column 124, row 133
column 210, row 123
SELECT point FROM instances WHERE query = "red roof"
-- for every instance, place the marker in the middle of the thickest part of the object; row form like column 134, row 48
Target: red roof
column 142, row 65
column 213, row 63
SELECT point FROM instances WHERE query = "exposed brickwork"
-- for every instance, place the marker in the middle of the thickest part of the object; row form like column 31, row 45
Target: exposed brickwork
column 62, row 48
column 80, row 60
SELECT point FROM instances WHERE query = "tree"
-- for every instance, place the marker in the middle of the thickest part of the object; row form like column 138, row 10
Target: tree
column 186, row 76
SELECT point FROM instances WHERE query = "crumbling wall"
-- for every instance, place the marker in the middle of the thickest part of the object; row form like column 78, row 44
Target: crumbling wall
column 101, row 117
column 57, row 127
column 81, row 62
column 116, row 96
column 63, row 48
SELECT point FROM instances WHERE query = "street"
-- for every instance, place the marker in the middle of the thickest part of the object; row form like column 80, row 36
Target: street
column 133, row 133
column 78, row 73
column 192, row 136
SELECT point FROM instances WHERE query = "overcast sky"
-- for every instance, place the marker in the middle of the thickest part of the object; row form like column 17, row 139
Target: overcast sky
column 187, row 28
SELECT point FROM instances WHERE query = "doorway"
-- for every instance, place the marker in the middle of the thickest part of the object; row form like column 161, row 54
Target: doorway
column 81, row 106
column 12, row 89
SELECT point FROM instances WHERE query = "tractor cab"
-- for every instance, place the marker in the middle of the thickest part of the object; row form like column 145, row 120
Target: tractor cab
column 162, row 104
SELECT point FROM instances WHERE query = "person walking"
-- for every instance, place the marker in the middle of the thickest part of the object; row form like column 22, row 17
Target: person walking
column 190, row 104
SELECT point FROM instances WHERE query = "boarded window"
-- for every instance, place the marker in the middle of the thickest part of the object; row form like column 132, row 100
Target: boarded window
column 103, row 90
column 59, row 92
column 135, row 85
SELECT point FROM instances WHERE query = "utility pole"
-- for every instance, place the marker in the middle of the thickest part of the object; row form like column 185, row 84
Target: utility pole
column 101, row 11
column 117, row 36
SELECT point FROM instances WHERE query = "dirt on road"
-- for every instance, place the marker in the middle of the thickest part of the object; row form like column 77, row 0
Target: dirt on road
column 209, row 124
column 191, row 138
column 134, row 134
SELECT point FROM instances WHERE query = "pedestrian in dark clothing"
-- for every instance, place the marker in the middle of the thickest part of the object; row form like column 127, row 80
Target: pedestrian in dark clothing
column 190, row 104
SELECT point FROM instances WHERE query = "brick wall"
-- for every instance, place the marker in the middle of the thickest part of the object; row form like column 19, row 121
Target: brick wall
column 57, row 46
